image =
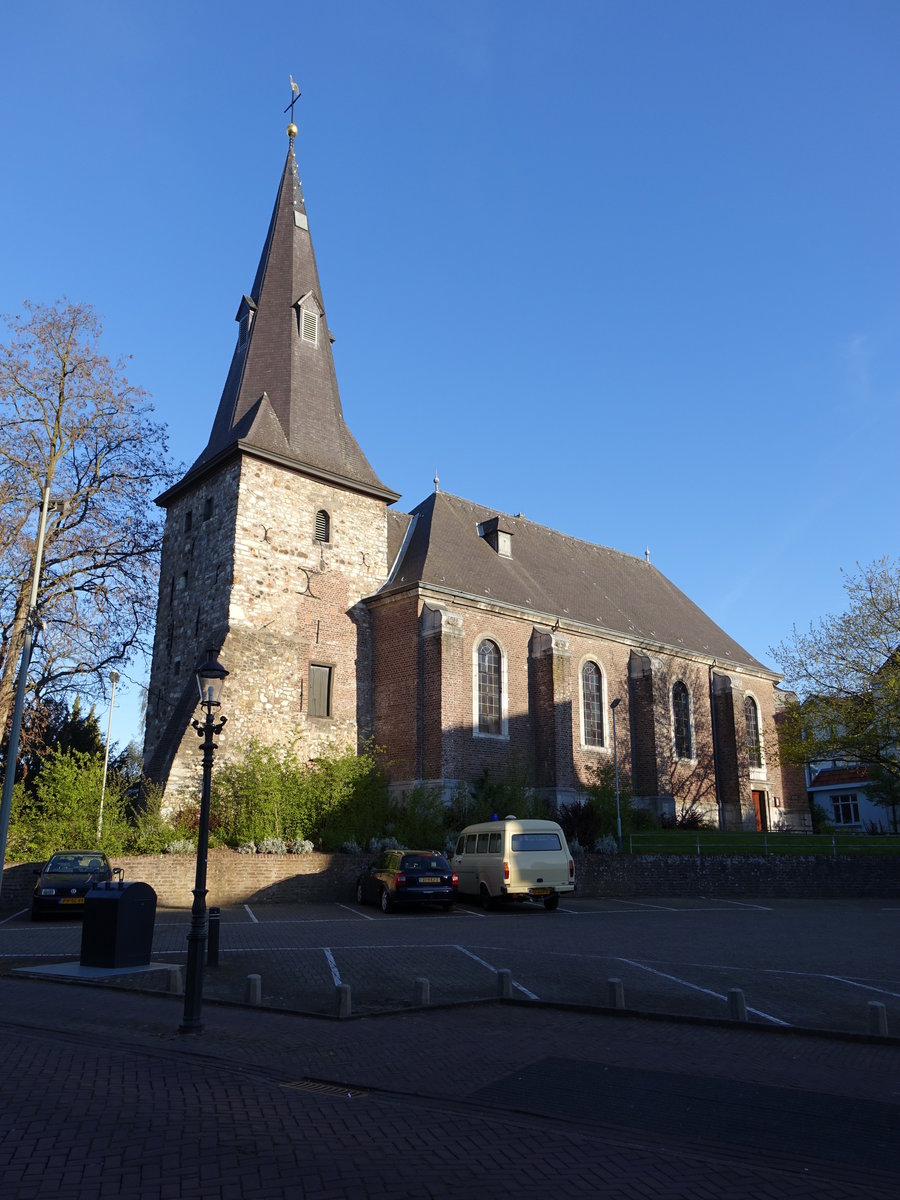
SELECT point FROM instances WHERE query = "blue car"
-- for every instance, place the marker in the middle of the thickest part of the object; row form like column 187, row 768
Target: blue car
column 406, row 877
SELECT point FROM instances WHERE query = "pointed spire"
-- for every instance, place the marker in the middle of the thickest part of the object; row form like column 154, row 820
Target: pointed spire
column 281, row 395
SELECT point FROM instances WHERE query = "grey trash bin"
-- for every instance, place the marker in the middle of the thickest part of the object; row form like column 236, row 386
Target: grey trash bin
column 118, row 925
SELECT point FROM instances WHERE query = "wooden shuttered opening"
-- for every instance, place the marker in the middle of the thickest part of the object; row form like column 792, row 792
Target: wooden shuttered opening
column 319, row 691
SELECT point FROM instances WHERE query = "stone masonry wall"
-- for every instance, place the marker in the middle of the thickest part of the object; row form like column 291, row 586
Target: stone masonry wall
column 280, row 601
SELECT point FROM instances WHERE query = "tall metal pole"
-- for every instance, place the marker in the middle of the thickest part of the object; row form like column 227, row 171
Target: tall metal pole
column 113, row 679
column 12, row 749
column 193, row 984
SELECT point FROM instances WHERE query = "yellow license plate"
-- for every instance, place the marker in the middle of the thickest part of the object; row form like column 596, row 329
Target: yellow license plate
column 541, row 891
column 430, row 879
column 72, row 900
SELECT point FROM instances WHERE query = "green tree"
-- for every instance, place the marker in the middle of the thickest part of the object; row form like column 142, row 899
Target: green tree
column 846, row 672
column 884, row 790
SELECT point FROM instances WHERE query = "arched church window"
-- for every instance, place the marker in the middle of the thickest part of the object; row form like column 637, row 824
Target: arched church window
column 489, row 692
column 592, row 704
column 323, row 526
column 681, row 718
column 754, row 742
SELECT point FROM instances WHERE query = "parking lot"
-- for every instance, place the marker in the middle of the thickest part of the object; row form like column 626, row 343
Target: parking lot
column 814, row 964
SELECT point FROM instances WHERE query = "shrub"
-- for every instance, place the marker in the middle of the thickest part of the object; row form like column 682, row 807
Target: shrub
column 272, row 846
column 181, row 846
column 301, row 846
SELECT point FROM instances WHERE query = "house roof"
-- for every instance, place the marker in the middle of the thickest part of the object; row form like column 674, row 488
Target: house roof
column 832, row 777
column 554, row 576
column 281, row 398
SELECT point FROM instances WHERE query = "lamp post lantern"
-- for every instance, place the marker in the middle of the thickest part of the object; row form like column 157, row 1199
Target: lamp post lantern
column 210, row 680
column 614, row 705
column 113, row 679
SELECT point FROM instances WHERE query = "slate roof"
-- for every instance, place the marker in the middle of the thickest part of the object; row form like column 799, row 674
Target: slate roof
column 554, row 576
column 281, row 397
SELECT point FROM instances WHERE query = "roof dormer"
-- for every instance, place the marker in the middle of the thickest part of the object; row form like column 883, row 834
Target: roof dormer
column 498, row 533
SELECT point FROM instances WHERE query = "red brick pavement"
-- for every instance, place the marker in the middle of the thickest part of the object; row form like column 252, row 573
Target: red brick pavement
column 101, row 1096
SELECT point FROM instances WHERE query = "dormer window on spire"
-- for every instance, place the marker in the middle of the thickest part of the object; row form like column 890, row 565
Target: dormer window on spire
column 245, row 313
column 309, row 327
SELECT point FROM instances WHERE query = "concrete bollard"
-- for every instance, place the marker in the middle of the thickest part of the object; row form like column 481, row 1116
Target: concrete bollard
column 253, row 994
column 174, row 981
column 616, row 993
column 504, row 985
column 422, row 992
column 737, row 1005
column 345, row 1005
column 878, row 1018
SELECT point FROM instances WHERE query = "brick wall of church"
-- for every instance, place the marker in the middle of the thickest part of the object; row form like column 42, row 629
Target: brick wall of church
column 430, row 694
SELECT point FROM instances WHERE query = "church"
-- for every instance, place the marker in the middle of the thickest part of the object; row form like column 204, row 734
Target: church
column 459, row 638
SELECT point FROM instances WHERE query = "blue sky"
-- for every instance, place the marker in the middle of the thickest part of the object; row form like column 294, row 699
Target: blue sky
column 630, row 268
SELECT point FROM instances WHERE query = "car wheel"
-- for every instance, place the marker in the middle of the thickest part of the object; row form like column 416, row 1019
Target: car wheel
column 35, row 915
column 385, row 901
column 485, row 897
column 360, row 899
column 551, row 903
column 446, row 907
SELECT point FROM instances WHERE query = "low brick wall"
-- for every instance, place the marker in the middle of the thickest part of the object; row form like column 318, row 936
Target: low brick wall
column 263, row 878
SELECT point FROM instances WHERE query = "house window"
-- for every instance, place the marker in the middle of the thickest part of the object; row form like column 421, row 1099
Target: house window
column 188, row 520
column 207, row 508
column 323, row 526
column 592, row 704
column 846, row 809
column 309, row 327
column 681, row 718
column 754, row 745
column 489, row 692
column 319, row 704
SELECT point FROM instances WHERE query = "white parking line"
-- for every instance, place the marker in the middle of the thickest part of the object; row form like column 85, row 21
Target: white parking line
column 356, row 912
column 249, row 911
column 740, row 904
column 638, row 904
column 20, row 913
column 482, row 963
column 866, row 987
column 706, row 991
column 335, row 973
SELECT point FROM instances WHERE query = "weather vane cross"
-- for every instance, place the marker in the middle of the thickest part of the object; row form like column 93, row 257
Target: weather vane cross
column 295, row 96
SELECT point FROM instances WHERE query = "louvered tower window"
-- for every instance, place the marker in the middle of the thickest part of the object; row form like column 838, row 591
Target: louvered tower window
column 309, row 327
column 681, row 717
column 323, row 526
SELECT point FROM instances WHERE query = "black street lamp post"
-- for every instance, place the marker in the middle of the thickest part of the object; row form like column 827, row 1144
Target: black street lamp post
column 210, row 678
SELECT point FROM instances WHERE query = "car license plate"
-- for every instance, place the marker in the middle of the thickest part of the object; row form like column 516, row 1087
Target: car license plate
column 430, row 879
column 541, row 891
column 72, row 900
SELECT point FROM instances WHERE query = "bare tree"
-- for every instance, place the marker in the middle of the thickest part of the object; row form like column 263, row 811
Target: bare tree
column 71, row 421
column 846, row 669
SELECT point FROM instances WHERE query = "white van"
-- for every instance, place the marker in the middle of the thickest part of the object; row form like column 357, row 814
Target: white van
column 510, row 859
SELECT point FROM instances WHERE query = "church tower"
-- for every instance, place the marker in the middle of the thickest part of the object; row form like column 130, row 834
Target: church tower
column 274, row 534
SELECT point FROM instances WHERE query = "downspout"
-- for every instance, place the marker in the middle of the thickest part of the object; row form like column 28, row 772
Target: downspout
column 715, row 743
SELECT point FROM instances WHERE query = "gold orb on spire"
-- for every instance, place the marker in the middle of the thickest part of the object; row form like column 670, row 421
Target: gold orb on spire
column 292, row 130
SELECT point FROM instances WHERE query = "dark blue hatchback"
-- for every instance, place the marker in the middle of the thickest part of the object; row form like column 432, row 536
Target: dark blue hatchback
column 403, row 877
